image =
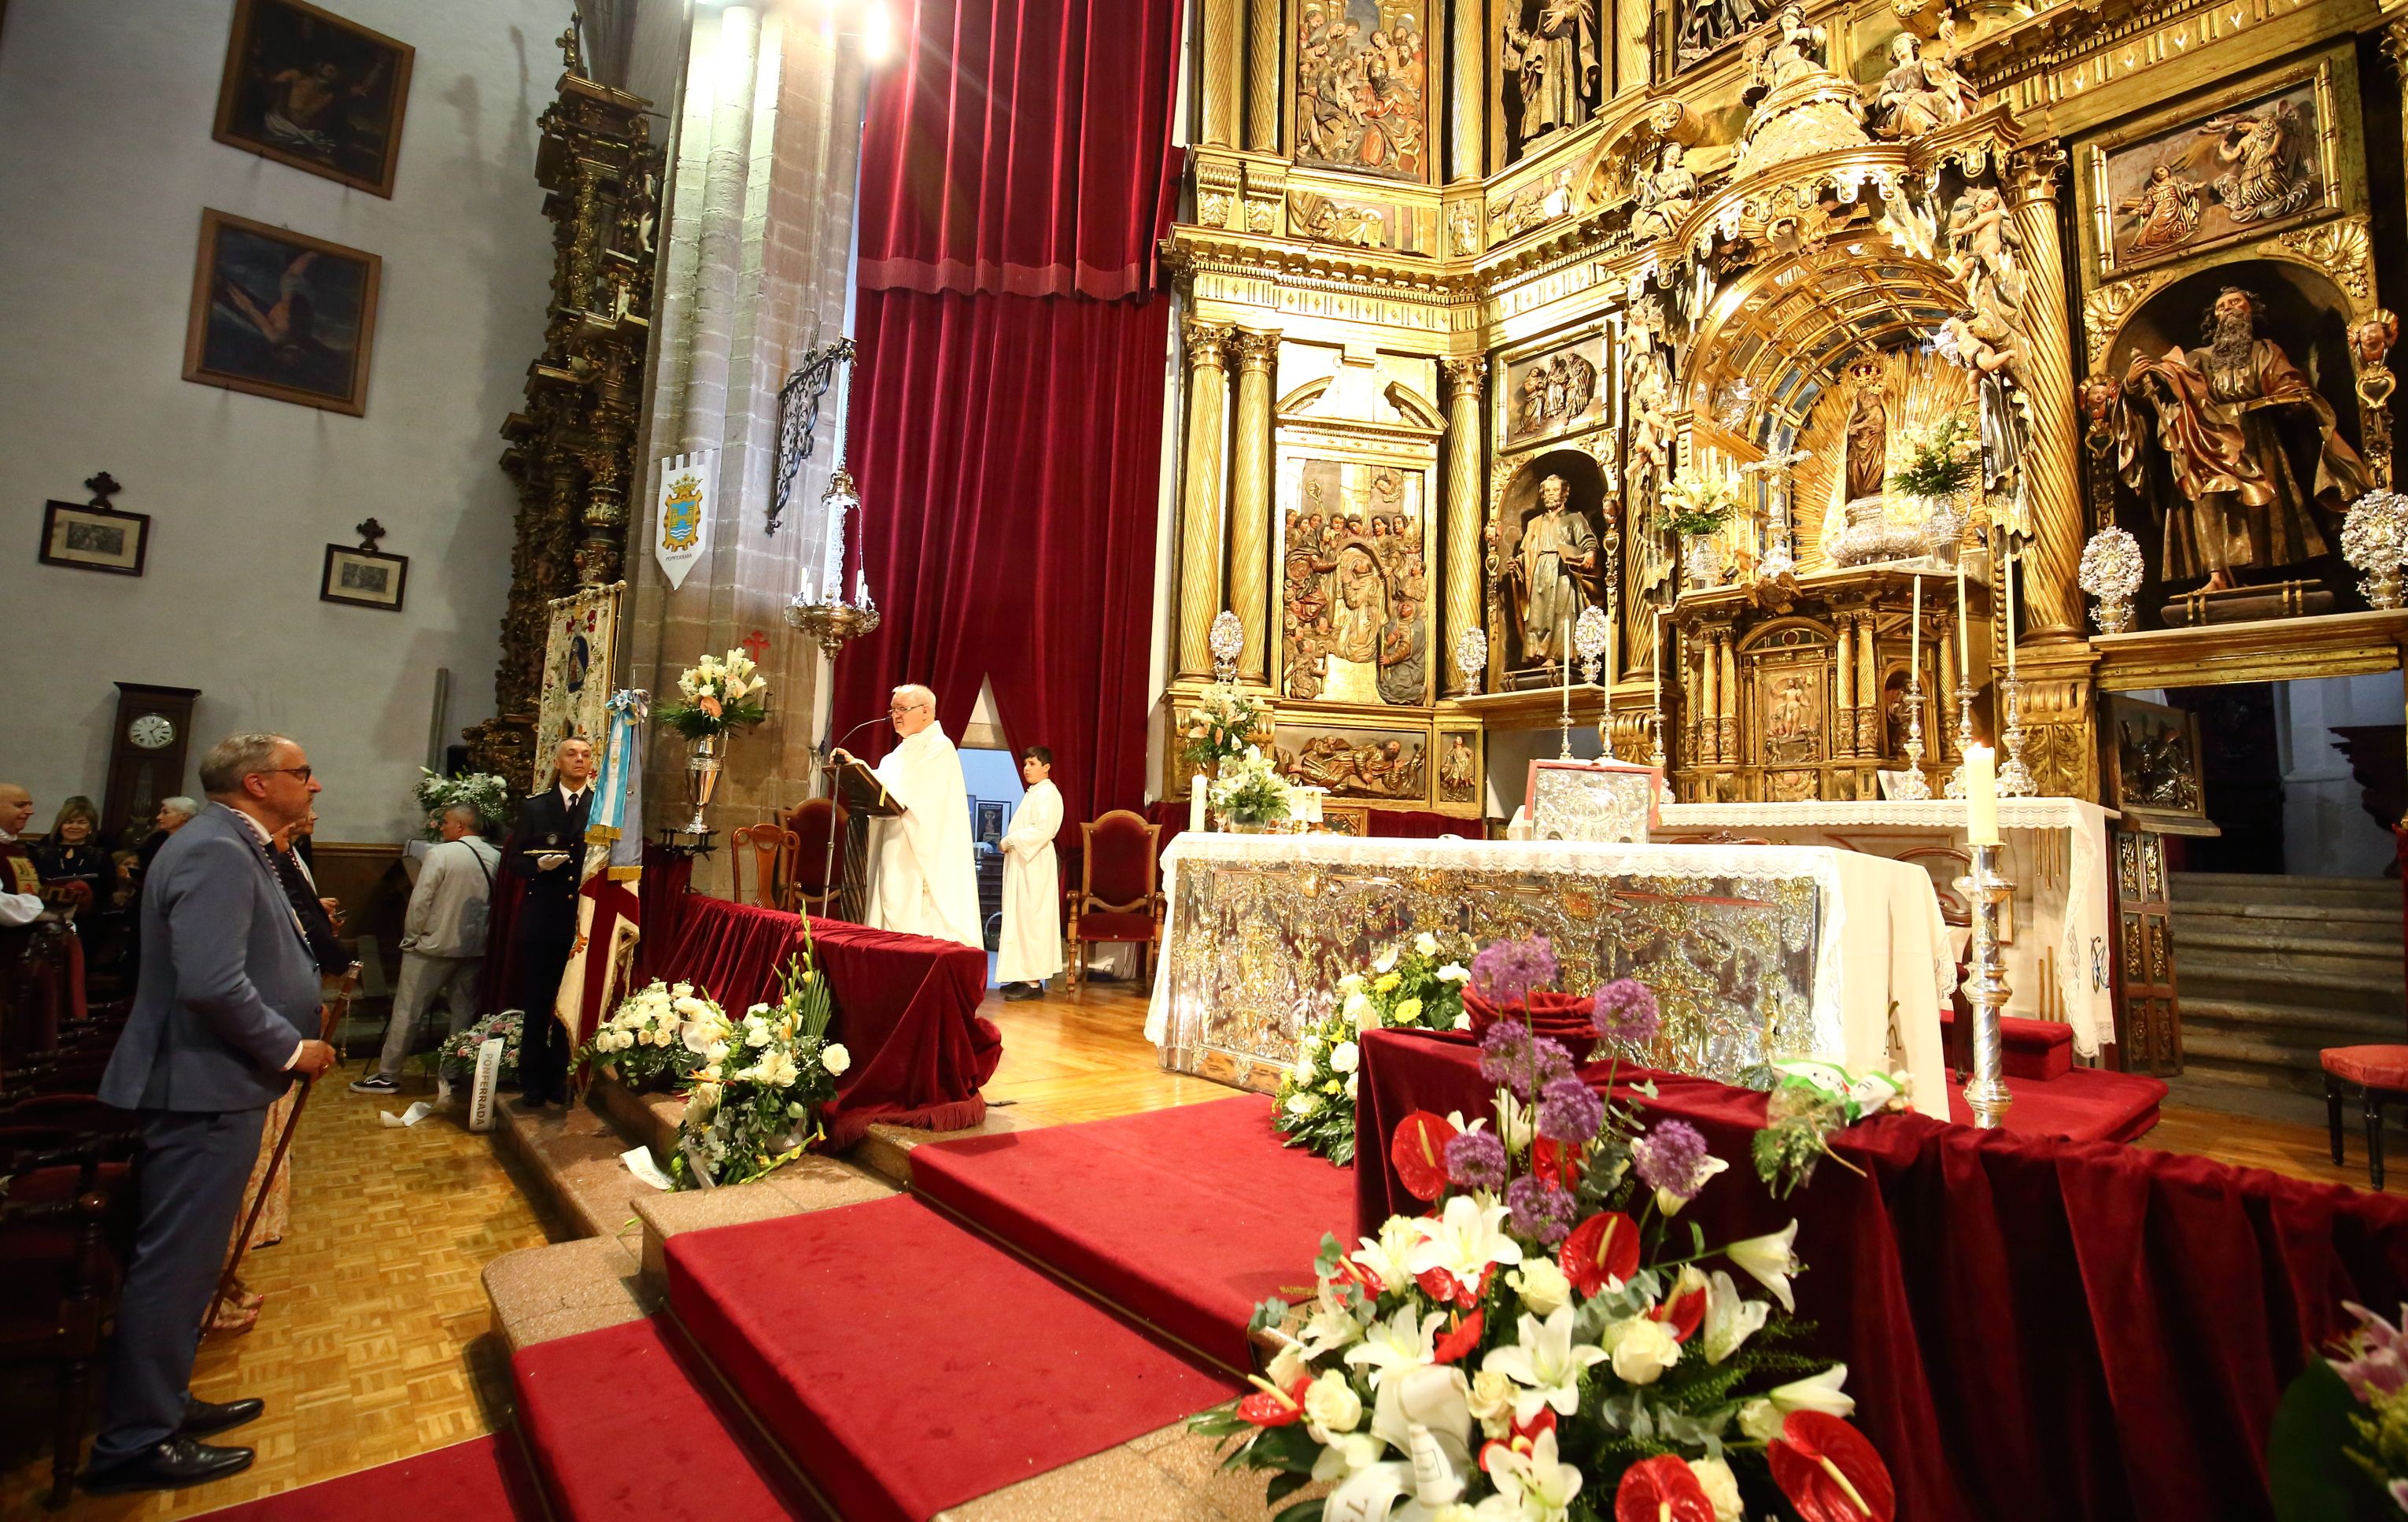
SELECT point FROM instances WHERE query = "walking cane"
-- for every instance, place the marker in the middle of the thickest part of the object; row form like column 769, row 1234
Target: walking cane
column 250, row 1218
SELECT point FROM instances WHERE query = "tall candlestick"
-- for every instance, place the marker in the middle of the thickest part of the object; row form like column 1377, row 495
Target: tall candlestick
column 1564, row 654
column 1981, row 796
column 2010, row 600
column 1964, row 657
column 1914, row 660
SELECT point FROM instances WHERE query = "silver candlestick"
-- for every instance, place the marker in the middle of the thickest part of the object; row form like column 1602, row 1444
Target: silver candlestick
column 1985, row 986
column 2015, row 778
column 1956, row 788
column 1589, row 639
column 1915, row 786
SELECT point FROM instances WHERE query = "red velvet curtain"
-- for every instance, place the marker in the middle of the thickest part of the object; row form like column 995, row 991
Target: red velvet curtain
column 1008, row 444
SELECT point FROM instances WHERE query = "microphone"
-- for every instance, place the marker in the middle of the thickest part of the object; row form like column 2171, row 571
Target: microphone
column 838, row 742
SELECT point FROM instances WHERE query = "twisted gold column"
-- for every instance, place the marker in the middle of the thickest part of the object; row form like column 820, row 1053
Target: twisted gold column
column 1710, row 729
column 1250, row 498
column 1263, row 74
column 1463, row 380
column 1224, row 41
column 1467, row 91
column 1869, row 689
column 1727, row 645
column 1844, row 687
column 2052, row 468
column 1199, row 496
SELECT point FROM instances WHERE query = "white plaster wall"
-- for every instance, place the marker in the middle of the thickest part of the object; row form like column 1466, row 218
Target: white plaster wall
column 106, row 163
column 2326, row 831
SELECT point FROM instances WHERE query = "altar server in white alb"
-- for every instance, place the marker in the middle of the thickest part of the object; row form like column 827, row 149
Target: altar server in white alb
column 922, row 877
column 1032, row 887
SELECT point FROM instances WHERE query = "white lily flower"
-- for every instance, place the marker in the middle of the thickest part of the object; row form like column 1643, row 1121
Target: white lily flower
column 1385, row 962
column 1385, row 1254
column 1455, row 972
column 1546, row 1362
column 1515, row 1121
column 1670, row 1203
column 1730, row 1318
column 1331, row 1326
column 1464, row 1241
column 1397, row 1346
column 1537, row 1483
column 1770, row 1260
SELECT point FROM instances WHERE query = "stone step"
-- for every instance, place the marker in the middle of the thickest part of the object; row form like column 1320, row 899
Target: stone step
column 2242, row 1049
column 2248, row 1071
column 2306, row 1026
column 2257, row 887
column 2253, row 937
column 2279, row 914
column 2352, row 992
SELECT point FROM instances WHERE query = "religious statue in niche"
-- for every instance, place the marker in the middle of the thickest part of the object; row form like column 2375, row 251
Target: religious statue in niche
column 2219, row 411
column 1554, row 573
column 1706, row 25
column 1353, row 762
column 1553, row 75
column 1458, row 771
column 1793, row 715
column 1922, row 92
column 1868, row 433
column 1362, row 70
column 1666, row 194
column 1355, row 586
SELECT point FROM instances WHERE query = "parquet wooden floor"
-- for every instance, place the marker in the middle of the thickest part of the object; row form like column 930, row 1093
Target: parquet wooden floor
column 374, row 1344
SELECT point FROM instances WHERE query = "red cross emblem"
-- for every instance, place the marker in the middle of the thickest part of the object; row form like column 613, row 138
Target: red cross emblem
column 757, row 642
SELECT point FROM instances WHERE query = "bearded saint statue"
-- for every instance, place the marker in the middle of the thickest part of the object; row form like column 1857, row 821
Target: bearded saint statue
column 1556, row 557
column 2240, row 507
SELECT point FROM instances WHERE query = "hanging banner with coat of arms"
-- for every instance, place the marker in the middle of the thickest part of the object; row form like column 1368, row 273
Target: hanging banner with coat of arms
column 681, row 515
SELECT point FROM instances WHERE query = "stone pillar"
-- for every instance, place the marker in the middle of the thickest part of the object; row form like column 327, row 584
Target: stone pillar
column 1250, row 500
column 1225, row 43
column 2052, row 466
column 1199, row 496
column 1465, row 471
column 1264, row 30
column 1467, row 91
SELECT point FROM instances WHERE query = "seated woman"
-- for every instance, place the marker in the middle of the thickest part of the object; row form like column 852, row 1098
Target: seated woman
column 72, row 855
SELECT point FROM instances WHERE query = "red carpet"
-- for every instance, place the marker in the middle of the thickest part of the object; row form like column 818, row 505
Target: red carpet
column 911, row 1365
column 1185, row 1217
column 482, row 1480
column 622, row 1426
column 2087, row 1104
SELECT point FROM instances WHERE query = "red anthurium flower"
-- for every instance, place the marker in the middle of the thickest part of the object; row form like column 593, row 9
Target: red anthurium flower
column 1462, row 1339
column 1419, row 1152
column 1684, row 1311
column 1663, row 1489
column 1601, row 1248
column 1829, row 1471
column 1357, row 1273
column 1273, row 1407
column 1522, row 1439
column 1552, row 1159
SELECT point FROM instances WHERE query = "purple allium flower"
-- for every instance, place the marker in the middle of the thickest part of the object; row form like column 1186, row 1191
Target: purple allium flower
column 1505, row 1052
column 1506, row 970
column 1475, row 1160
column 1541, row 1210
column 1627, row 1012
column 1672, row 1158
column 1569, row 1111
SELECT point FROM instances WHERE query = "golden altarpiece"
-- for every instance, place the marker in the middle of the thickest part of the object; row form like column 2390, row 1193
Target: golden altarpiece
column 1485, row 300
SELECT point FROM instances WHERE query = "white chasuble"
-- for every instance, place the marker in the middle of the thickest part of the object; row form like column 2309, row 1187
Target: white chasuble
column 1032, row 890
column 923, row 879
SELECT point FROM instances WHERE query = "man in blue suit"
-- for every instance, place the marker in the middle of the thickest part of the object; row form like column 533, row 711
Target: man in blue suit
column 225, row 1014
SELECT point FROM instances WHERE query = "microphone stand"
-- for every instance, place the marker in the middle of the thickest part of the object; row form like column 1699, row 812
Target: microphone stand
column 827, row 755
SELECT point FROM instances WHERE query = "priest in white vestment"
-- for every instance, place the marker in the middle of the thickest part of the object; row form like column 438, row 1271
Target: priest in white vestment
column 1032, row 888
column 922, row 877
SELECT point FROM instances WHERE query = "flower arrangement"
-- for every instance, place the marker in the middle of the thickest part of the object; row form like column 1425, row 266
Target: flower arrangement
column 1225, row 725
column 1697, row 503
column 2372, row 1364
column 754, row 1101
column 1250, row 790
column 1538, row 1346
column 455, row 1060
column 1943, row 460
column 1417, row 987
column 1809, row 1101
column 489, row 795
column 656, row 1037
column 720, row 693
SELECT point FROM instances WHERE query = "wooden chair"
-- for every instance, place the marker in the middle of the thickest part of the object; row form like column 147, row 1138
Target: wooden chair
column 774, row 848
column 1119, row 896
column 63, row 1276
column 2373, row 1075
column 819, row 875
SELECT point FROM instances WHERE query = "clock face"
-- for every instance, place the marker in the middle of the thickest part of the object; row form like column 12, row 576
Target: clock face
column 151, row 731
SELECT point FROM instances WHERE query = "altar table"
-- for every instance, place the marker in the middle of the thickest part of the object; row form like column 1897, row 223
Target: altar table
column 2033, row 1328
column 1753, row 953
column 905, row 1008
column 2060, row 961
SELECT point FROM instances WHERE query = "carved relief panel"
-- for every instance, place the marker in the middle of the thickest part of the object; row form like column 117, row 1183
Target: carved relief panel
column 1363, row 76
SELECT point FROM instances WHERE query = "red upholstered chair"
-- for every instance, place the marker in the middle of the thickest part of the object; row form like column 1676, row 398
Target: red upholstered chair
column 819, row 875
column 1119, row 897
column 55, row 1257
column 2376, row 1073
column 774, row 848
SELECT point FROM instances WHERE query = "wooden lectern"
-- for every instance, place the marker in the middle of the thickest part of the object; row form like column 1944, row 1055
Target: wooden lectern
column 862, row 797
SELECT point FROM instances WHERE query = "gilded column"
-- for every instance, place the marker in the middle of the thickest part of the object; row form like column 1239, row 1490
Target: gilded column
column 1263, row 74
column 2050, row 465
column 1710, row 747
column 1730, row 700
column 1869, row 688
column 1225, row 44
column 1844, row 688
column 1943, row 733
column 1466, row 95
column 1199, row 496
column 1463, row 380
column 1250, row 500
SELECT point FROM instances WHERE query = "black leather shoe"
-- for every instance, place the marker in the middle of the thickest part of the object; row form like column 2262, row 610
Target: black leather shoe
column 167, row 1466
column 203, row 1417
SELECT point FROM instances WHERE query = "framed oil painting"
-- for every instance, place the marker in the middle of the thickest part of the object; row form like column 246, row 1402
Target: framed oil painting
column 366, row 579
column 989, row 822
column 305, row 87
column 1363, row 86
column 94, row 538
column 2240, row 164
column 278, row 313
column 1557, row 391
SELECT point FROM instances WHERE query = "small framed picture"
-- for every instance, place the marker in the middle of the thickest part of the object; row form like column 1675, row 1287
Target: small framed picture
column 990, row 822
column 94, row 539
column 363, row 578
column 280, row 314
column 305, row 87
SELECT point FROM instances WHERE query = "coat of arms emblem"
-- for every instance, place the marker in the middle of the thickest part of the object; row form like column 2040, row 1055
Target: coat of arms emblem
column 681, row 520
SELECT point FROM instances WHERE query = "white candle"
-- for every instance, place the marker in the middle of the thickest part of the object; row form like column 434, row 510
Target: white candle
column 1564, row 654
column 1197, row 786
column 1914, row 661
column 1964, row 657
column 2010, row 600
column 1981, row 796
column 1658, row 662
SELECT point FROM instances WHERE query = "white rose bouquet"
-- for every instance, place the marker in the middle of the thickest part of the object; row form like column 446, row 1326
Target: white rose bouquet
column 753, row 1105
column 720, row 693
column 656, row 1037
column 1541, row 1344
column 1418, row 985
column 1222, row 726
column 489, row 795
column 1250, row 790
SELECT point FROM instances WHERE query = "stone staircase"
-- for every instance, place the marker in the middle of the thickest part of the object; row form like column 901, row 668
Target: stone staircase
column 2270, row 969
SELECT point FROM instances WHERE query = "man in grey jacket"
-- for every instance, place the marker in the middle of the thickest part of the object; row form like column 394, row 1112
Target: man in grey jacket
column 442, row 940
column 225, row 1014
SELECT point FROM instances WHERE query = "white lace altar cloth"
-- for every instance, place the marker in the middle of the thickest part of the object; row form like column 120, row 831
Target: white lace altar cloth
column 2061, row 947
column 1755, row 952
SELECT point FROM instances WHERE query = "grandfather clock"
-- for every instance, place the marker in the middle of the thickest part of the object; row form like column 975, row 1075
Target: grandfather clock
column 146, row 755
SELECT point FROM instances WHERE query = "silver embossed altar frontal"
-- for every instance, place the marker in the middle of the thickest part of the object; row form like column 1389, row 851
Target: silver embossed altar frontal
column 1753, row 953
